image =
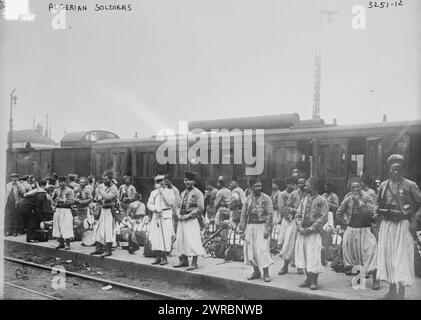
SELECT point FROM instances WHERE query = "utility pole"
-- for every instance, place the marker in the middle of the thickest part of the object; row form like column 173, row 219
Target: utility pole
column 13, row 99
column 318, row 63
column 46, row 125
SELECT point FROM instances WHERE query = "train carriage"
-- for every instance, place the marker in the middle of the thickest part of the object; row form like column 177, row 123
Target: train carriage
column 328, row 151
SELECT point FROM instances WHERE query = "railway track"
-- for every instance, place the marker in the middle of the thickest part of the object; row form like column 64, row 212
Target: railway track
column 147, row 292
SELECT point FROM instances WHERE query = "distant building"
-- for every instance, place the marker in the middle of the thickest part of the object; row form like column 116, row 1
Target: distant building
column 32, row 138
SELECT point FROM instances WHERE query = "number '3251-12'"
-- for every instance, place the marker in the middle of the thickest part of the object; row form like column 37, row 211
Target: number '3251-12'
column 384, row 4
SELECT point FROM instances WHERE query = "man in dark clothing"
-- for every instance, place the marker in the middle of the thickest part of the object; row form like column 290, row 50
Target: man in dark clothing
column 35, row 205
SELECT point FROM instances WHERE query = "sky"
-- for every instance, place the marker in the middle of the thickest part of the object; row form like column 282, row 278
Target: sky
column 180, row 60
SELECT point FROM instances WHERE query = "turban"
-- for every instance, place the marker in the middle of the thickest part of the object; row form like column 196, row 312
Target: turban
column 190, row 175
column 159, row 178
column 108, row 174
column 395, row 158
column 253, row 180
column 277, row 182
column 313, row 181
column 354, row 179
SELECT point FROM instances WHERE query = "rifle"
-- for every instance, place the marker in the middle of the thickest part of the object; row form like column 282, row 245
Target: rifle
column 215, row 234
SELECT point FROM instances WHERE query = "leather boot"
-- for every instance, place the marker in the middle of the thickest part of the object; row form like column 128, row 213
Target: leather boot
column 108, row 248
column 61, row 243
column 401, row 293
column 313, row 281
column 256, row 274
column 98, row 249
column 184, row 262
column 392, row 294
column 306, row 282
column 376, row 283
column 67, row 246
column 284, row 269
column 193, row 264
column 164, row 260
column 266, row 277
column 157, row 258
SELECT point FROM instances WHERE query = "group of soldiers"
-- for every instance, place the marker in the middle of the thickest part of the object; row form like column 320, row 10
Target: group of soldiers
column 376, row 227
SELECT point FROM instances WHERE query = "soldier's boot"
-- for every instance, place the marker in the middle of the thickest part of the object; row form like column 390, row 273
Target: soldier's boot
column 313, row 281
column 376, row 283
column 392, row 294
column 256, row 274
column 108, row 248
column 60, row 243
column 98, row 249
column 157, row 258
column 164, row 260
column 184, row 262
column 306, row 282
column 193, row 264
column 67, row 246
column 401, row 292
column 266, row 277
column 284, row 269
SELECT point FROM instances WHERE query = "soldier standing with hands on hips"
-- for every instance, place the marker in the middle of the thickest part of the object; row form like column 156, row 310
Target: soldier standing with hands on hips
column 255, row 228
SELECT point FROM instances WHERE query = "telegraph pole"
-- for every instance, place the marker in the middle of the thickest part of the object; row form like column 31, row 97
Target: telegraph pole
column 13, row 99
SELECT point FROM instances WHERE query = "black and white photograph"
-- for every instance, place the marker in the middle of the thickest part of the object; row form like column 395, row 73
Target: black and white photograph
column 223, row 151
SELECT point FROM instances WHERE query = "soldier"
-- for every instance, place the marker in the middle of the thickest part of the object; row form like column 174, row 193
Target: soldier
column 72, row 182
column 24, row 181
column 135, row 216
column 398, row 200
column 14, row 192
column 210, row 197
column 359, row 245
column 37, row 205
column 126, row 193
column 288, row 225
column 189, row 241
column 221, row 202
column 161, row 202
column 238, row 197
column 91, row 185
column 105, row 229
column 32, row 182
column 83, row 198
column 276, row 198
column 333, row 201
column 168, row 182
column 63, row 198
column 310, row 218
column 255, row 228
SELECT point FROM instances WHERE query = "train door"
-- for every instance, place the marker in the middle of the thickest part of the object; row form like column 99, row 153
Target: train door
column 45, row 163
column 120, row 162
column 330, row 162
column 356, row 156
column 284, row 159
column 373, row 164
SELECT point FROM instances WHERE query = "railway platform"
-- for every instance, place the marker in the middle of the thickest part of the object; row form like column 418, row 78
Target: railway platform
column 216, row 274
